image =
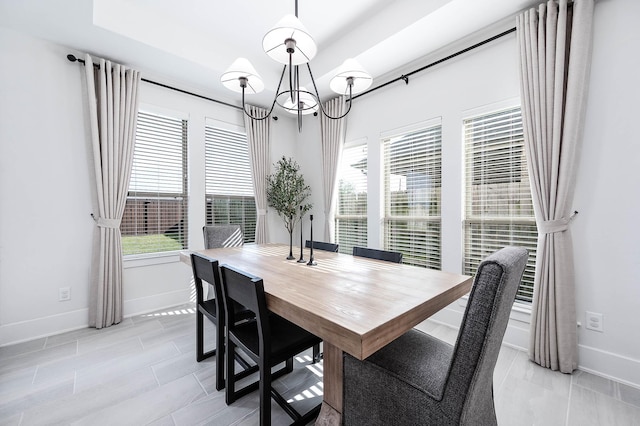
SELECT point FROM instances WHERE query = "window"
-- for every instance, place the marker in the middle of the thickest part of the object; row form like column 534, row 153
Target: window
column 498, row 206
column 412, row 184
column 155, row 214
column 229, row 188
column 351, row 212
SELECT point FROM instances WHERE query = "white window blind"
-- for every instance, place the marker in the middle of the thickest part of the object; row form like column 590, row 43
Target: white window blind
column 155, row 216
column 412, row 185
column 229, row 188
column 351, row 211
column 498, row 205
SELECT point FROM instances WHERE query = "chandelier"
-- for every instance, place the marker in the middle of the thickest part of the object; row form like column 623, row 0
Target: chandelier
column 289, row 43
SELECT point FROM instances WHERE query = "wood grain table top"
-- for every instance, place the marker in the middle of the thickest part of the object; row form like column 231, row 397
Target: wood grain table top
column 356, row 304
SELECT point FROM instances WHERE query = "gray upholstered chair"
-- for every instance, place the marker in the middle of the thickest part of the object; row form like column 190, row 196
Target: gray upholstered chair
column 420, row 380
column 216, row 236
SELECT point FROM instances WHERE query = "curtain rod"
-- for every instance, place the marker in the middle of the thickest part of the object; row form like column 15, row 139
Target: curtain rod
column 405, row 77
column 72, row 58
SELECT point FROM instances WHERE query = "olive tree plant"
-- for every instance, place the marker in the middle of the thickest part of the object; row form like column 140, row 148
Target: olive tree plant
column 287, row 193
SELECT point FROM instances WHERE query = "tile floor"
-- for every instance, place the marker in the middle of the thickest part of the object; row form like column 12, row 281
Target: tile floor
column 143, row 372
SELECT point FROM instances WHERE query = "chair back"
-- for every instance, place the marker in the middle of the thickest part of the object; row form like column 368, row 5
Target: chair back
column 389, row 256
column 482, row 329
column 206, row 270
column 247, row 291
column 319, row 245
column 217, row 236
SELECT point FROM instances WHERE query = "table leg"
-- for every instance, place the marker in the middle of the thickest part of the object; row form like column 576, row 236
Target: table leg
column 331, row 411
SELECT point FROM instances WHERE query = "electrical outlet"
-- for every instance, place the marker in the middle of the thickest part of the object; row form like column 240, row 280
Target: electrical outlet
column 64, row 293
column 595, row 322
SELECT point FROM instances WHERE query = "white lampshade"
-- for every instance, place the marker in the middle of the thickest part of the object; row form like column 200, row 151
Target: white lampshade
column 289, row 27
column 310, row 103
column 241, row 67
column 350, row 68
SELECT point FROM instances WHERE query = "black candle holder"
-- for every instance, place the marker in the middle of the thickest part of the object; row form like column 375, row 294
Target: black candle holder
column 301, row 260
column 291, row 256
column 311, row 260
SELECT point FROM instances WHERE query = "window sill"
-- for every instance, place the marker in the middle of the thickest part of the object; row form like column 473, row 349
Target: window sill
column 519, row 312
column 150, row 259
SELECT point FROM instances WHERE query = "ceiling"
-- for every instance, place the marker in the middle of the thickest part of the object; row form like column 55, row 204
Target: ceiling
column 190, row 43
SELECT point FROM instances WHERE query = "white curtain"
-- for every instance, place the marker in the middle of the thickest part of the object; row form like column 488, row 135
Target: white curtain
column 113, row 112
column 555, row 56
column 332, row 140
column 258, row 136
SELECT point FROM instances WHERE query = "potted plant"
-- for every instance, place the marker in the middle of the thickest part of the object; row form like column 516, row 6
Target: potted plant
column 287, row 193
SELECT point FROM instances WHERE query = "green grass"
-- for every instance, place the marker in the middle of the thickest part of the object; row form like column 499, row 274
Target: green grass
column 141, row 244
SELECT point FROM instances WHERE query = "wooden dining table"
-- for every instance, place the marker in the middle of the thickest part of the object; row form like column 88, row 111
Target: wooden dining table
column 354, row 304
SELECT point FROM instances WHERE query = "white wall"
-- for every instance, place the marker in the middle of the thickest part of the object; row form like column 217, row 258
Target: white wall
column 47, row 190
column 605, row 232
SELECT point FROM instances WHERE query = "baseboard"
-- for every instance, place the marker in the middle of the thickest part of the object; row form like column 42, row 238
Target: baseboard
column 23, row 331
column 609, row 365
column 37, row 328
column 155, row 302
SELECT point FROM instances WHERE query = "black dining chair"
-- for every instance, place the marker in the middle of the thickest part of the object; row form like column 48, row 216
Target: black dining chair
column 319, row 245
column 220, row 236
column 206, row 270
column 389, row 256
column 268, row 341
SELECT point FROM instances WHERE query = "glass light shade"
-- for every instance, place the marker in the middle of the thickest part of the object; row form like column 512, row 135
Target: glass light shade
column 289, row 27
column 350, row 68
column 241, row 67
column 310, row 104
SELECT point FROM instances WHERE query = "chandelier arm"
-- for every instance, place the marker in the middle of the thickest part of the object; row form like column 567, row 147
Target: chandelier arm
column 320, row 103
column 244, row 108
column 290, row 77
column 298, row 102
column 284, row 68
column 296, row 84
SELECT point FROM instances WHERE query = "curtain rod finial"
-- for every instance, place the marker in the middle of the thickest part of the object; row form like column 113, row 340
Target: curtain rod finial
column 71, row 58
